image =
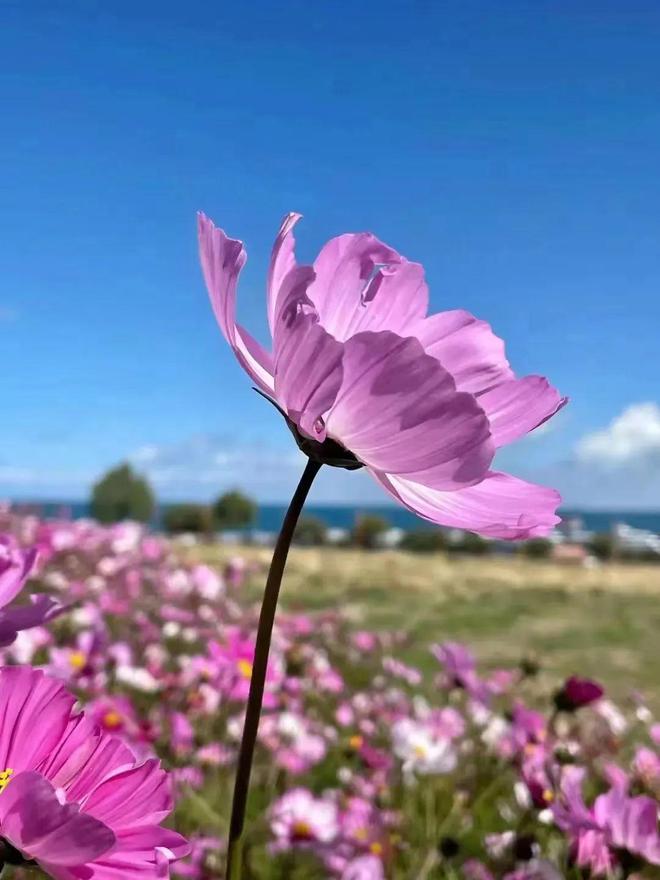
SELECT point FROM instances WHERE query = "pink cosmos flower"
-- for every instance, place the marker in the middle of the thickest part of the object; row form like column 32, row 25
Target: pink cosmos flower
column 16, row 566
column 576, row 693
column 299, row 819
column 73, row 798
column 365, row 378
column 295, row 746
column 234, row 659
column 615, row 825
column 367, row 867
column 461, row 670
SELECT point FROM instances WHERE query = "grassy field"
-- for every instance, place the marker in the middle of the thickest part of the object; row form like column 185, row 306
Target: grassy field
column 602, row 622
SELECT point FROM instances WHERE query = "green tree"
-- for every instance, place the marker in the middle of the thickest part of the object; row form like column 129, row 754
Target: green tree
column 233, row 510
column 536, row 548
column 424, row 541
column 367, row 530
column 122, row 494
column 192, row 518
column 310, row 531
column 602, row 546
column 472, row 544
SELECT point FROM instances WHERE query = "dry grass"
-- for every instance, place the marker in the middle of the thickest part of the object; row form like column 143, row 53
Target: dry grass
column 603, row 621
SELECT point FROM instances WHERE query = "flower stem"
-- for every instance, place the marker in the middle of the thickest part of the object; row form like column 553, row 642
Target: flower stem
column 258, row 679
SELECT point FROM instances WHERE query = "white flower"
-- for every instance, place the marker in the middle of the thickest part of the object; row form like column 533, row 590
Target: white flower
column 138, row 678
column 612, row 715
column 420, row 749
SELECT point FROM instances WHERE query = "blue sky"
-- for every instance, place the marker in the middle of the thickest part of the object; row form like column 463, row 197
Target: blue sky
column 510, row 147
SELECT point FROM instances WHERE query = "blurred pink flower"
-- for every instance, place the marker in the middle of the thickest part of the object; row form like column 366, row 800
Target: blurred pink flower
column 615, row 824
column 299, row 819
column 234, row 658
column 461, row 670
column 16, row 566
column 576, row 693
column 646, row 766
column 72, row 798
column 295, row 746
column 367, row 867
column 365, row 378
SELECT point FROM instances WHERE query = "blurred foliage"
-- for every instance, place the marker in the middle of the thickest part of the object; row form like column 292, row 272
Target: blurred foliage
column 424, row 541
column 310, row 532
column 471, row 544
column 602, row 546
column 536, row 548
column 192, row 518
column 233, row 510
column 368, row 529
column 121, row 494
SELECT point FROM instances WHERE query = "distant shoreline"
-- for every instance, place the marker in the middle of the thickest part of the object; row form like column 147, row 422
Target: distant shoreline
column 342, row 516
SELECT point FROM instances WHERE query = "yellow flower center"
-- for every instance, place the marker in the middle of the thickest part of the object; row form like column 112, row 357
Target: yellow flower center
column 419, row 751
column 301, row 830
column 5, row 778
column 112, row 719
column 356, row 741
column 376, row 848
column 548, row 796
column 77, row 660
column 245, row 668
column 361, row 834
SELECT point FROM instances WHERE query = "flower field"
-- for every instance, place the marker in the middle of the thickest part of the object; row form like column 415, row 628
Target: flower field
column 367, row 766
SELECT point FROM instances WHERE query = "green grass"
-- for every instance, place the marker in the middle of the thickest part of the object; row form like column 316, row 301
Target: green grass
column 602, row 622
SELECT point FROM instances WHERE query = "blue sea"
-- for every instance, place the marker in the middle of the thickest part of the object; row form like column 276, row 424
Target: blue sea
column 270, row 516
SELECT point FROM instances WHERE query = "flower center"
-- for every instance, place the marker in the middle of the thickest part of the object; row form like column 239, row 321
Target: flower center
column 5, row 778
column 112, row 720
column 245, row 668
column 77, row 660
column 301, row 830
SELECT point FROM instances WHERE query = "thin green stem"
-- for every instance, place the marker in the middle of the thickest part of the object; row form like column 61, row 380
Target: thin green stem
column 258, row 680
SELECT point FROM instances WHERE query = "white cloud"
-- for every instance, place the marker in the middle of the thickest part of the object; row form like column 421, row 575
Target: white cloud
column 632, row 437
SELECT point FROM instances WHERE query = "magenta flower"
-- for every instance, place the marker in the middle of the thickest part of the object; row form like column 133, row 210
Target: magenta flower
column 72, row 798
column 576, row 693
column 365, row 378
column 234, row 662
column 616, row 826
column 16, row 566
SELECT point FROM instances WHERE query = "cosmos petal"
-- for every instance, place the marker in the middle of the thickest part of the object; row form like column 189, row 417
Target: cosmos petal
column 398, row 411
column 500, row 506
column 222, row 259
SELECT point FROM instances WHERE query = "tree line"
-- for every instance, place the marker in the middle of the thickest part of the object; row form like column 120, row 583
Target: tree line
column 123, row 494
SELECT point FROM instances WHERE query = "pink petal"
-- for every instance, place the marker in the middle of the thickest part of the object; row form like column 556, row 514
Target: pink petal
column 362, row 284
column 34, row 713
column 222, row 259
column 308, row 367
column 282, row 260
column 35, row 822
column 84, row 757
column 398, row 411
column 40, row 610
column 517, row 406
column 146, row 838
column 500, row 506
column 467, row 347
column 12, row 579
column 137, row 796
